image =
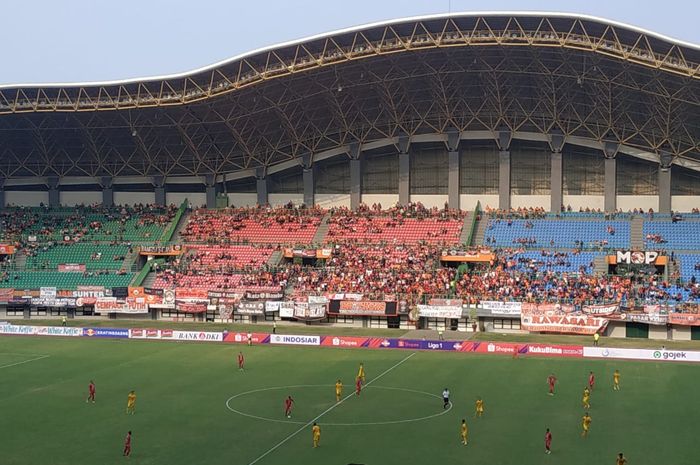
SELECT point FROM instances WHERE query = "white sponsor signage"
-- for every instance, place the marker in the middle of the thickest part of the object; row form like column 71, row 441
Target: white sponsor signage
column 41, row 330
column 501, row 308
column 643, row 354
column 295, row 340
column 198, row 336
column 439, row 311
column 637, row 258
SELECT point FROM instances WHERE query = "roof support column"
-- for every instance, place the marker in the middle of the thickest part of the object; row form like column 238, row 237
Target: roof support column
column 2, row 193
column 54, row 194
column 107, row 183
column 503, row 140
column 308, row 173
column 159, row 189
column 355, row 175
column 453, row 137
column 404, row 170
column 210, row 186
column 665, row 161
column 262, row 185
column 556, row 143
column 610, row 151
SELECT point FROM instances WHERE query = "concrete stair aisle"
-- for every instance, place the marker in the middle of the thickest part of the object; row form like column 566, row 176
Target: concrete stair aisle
column 149, row 280
column 322, row 230
column 600, row 264
column 464, row 236
column 480, row 233
column 275, row 258
column 20, row 259
column 637, row 233
column 129, row 260
column 181, row 225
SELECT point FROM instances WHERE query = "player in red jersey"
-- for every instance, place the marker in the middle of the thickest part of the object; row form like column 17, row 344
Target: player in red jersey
column 127, row 445
column 241, row 361
column 551, row 380
column 288, row 403
column 591, row 381
column 91, row 392
column 358, row 385
column 547, row 442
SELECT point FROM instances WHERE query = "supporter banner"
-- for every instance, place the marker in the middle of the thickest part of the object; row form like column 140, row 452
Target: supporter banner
column 287, row 309
column 439, row 311
column 25, row 293
column 250, row 308
column 6, row 295
column 47, row 292
column 601, row 310
column 446, row 302
column 309, row 311
column 655, row 308
column 201, row 336
column 120, row 292
column 483, row 255
column 545, row 308
column 362, row 308
column 307, row 253
column 54, row 301
column 40, row 330
column 242, row 338
column 167, row 299
column 152, row 296
column 502, row 308
column 347, row 296
column 648, row 318
column 182, row 293
column 225, row 311
column 113, row 305
column 71, row 268
column 161, row 250
column 318, row 299
column 264, row 295
column 191, row 307
column 86, row 295
column 684, row 319
column 119, row 333
column 136, row 292
column 295, row 339
column 567, row 324
column 6, row 249
column 642, row 354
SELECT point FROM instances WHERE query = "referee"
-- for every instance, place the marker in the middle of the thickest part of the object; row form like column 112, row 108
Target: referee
column 445, row 398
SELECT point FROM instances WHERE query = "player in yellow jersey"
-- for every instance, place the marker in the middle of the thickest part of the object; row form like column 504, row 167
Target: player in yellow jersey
column 621, row 460
column 316, row 434
column 586, row 424
column 361, row 373
column 586, row 398
column 479, row 407
column 463, row 432
column 131, row 403
column 616, row 380
column 338, row 390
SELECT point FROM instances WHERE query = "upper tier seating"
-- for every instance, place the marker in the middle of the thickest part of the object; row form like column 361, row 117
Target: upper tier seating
column 252, row 225
column 411, row 224
column 682, row 235
column 37, row 279
column 559, row 262
column 557, row 233
column 93, row 256
column 229, row 257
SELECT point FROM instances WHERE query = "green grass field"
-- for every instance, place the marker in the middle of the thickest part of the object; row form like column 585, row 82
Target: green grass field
column 182, row 415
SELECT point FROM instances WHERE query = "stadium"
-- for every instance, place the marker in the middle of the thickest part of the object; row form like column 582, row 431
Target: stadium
column 423, row 196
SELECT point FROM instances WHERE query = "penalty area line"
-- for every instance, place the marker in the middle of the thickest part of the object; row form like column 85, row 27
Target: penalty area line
column 24, row 361
column 310, row 422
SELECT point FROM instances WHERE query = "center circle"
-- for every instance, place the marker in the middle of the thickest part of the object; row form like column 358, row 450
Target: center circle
column 304, row 386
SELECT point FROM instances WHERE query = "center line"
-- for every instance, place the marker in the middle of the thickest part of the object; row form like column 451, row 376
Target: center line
column 283, row 441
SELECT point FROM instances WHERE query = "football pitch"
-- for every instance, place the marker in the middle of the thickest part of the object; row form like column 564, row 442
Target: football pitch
column 195, row 407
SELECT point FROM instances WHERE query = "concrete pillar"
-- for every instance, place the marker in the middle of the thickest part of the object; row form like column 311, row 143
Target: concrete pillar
column 610, row 151
column 2, row 193
column 159, row 189
column 107, row 183
column 404, row 170
column 665, row 162
column 54, row 194
column 355, row 175
column 210, row 185
column 308, row 174
column 556, row 143
column 262, row 185
column 453, row 137
column 503, row 139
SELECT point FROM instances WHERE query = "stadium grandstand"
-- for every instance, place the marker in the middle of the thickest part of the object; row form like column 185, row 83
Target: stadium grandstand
column 458, row 171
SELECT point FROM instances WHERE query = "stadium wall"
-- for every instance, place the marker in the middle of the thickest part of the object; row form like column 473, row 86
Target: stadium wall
column 277, row 200
column 73, row 198
column 542, row 201
column 333, row 200
column 26, row 198
column 630, row 202
column 468, row 201
column 197, row 199
column 242, row 200
column 430, row 200
column 131, row 198
column 584, row 201
column 386, row 200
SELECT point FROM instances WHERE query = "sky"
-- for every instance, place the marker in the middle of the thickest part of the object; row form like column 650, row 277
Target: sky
column 96, row 40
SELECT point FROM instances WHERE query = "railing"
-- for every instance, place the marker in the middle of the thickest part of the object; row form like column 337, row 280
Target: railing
column 472, row 226
column 170, row 230
column 141, row 276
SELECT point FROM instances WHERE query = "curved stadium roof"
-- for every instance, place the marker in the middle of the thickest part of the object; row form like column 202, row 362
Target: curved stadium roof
column 528, row 73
